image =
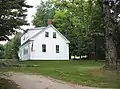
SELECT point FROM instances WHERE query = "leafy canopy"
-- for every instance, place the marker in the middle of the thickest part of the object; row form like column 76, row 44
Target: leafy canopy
column 45, row 11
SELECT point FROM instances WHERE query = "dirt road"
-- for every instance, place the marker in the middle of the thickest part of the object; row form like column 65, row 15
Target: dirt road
column 27, row 81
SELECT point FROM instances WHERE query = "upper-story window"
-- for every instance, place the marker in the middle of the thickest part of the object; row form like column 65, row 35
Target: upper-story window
column 46, row 34
column 54, row 34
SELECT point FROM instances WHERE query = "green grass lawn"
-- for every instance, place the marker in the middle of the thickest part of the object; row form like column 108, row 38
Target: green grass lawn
column 78, row 72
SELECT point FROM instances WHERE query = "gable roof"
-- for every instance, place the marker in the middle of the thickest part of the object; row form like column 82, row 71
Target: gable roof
column 55, row 30
column 37, row 28
column 42, row 29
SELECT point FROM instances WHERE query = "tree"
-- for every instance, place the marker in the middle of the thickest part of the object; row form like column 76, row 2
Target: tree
column 8, row 51
column 80, row 21
column 63, row 22
column 111, row 10
column 12, row 16
column 44, row 12
column 1, row 51
column 96, row 28
column 12, row 47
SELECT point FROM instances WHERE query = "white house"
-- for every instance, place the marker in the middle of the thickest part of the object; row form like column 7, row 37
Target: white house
column 44, row 43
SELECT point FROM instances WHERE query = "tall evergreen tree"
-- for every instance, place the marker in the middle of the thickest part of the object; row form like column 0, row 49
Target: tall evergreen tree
column 12, row 16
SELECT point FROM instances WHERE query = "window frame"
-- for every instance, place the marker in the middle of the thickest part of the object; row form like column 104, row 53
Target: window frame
column 57, row 49
column 25, row 51
column 43, row 47
column 54, row 35
column 46, row 34
column 23, row 37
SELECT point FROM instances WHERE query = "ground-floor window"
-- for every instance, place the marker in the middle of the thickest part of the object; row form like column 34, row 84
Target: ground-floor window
column 43, row 47
column 57, row 48
column 25, row 51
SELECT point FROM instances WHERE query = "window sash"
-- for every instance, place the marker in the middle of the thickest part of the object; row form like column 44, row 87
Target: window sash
column 46, row 34
column 57, row 48
column 25, row 51
column 54, row 34
column 43, row 48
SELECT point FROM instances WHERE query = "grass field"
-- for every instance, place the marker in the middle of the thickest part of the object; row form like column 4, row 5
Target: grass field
column 78, row 72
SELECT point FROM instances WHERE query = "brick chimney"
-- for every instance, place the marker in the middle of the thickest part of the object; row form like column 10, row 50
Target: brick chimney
column 49, row 21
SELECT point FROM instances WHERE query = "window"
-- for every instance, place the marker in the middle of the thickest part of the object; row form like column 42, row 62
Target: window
column 24, row 38
column 57, row 48
column 46, row 34
column 32, row 46
column 25, row 51
column 54, row 34
column 43, row 48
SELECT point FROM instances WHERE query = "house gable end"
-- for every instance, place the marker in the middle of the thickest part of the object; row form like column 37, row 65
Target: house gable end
column 39, row 33
column 59, row 33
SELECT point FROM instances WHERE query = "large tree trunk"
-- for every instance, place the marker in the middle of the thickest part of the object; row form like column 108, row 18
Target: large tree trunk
column 111, row 49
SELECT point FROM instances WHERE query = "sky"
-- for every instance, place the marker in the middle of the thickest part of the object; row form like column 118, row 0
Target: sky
column 32, row 11
column 29, row 18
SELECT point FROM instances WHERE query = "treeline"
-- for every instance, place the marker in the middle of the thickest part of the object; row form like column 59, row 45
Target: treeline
column 10, row 50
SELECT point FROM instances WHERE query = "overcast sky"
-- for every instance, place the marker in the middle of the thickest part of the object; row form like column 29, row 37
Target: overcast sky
column 31, row 12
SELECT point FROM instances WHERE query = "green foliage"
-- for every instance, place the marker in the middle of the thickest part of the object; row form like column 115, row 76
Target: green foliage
column 12, row 16
column 1, row 51
column 45, row 11
column 80, row 21
column 12, row 48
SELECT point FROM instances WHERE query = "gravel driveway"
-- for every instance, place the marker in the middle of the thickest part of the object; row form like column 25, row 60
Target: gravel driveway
column 28, row 81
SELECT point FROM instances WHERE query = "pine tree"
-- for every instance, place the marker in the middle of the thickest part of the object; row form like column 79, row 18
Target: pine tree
column 12, row 16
